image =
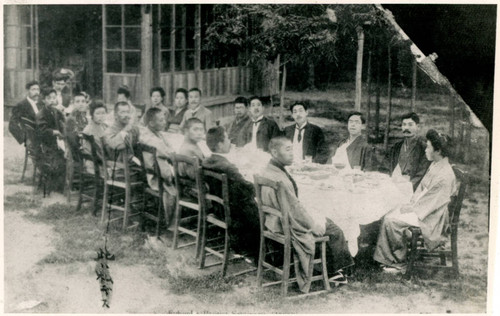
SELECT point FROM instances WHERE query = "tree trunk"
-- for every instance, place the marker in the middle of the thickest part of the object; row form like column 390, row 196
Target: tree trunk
column 359, row 68
column 368, row 92
column 282, row 97
column 377, row 101
column 311, row 75
column 414, row 85
column 389, row 98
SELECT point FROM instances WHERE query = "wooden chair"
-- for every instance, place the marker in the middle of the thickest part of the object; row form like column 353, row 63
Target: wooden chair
column 151, row 194
column 91, row 181
column 285, row 239
column 31, row 147
column 418, row 254
column 118, row 189
column 190, row 204
column 218, row 197
column 73, row 169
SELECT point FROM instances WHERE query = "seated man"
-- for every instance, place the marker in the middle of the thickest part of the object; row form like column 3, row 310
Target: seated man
column 407, row 157
column 303, row 227
column 307, row 138
column 122, row 135
column 244, row 229
column 26, row 108
column 354, row 150
column 259, row 133
column 155, row 136
column 50, row 135
column 428, row 208
column 96, row 127
column 196, row 110
column 123, row 95
column 194, row 132
column 236, row 130
column 76, row 121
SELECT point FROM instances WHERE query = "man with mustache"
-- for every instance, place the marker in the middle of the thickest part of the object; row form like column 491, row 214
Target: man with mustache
column 407, row 157
column 27, row 108
column 307, row 139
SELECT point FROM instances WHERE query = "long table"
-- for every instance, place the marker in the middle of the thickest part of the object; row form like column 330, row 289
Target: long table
column 350, row 198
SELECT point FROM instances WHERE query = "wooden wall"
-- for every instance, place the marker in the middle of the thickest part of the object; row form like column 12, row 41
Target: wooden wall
column 217, row 85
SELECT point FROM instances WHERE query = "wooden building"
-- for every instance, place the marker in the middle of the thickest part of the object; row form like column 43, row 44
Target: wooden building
column 140, row 46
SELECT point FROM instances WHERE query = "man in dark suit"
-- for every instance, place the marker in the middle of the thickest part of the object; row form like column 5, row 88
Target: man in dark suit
column 236, row 130
column 27, row 109
column 307, row 138
column 354, row 151
column 244, row 229
column 60, row 85
column 262, row 129
column 407, row 157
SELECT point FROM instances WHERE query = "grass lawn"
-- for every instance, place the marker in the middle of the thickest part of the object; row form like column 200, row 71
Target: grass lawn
column 151, row 278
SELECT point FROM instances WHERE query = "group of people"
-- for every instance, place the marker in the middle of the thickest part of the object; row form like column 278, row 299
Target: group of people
column 424, row 162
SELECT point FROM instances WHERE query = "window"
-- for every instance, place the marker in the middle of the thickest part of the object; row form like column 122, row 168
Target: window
column 183, row 35
column 122, row 38
column 27, row 49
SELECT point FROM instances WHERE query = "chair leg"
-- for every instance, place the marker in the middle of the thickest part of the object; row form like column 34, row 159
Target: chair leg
column 203, row 244
column 95, row 203
column 262, row 257
column 226, row 254
column 201, row 215
column 80, row 193
column 25, row 163
column 159, row 216
column 412, row 256
column 104, row 212
column 323, row 266
column 69, row 180
column 143, row 210
column 286, row 270
column 127, row 208
column 176, row 226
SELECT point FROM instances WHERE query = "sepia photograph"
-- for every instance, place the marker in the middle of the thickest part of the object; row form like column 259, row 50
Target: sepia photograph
column 250, row 158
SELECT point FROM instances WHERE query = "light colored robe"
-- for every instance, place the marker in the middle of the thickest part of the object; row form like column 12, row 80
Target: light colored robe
column 303, row 227
column 429, row 205
column 164, row 150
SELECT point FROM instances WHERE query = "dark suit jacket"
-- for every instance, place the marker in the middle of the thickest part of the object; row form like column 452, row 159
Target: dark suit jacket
column 237, row 129
column 47, row 121
column 244, row 228
column 313, row 142
column 267, row 130
column 22, row 109
column 359, row 153
column 415, row 166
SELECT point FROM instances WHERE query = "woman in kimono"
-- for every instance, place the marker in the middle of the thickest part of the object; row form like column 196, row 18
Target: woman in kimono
column 177, row 111
column 157, row 95
column 50, row 127
column 428, row 207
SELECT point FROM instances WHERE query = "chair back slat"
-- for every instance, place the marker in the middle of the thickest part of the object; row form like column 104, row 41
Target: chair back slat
column 121, row 156
column 455, row 205
column 183, row 181
column 29, row 128
column 147, row 169
column 265, row 209
column 218, row 191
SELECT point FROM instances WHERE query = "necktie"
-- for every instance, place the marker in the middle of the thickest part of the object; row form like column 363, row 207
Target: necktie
column 299, row 137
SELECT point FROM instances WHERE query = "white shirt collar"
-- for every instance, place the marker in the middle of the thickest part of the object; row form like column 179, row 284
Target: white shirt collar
column 301, row 127
column 259, row 118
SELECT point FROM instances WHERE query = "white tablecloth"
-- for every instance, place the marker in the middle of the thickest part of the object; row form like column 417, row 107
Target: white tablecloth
column 348, row 199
